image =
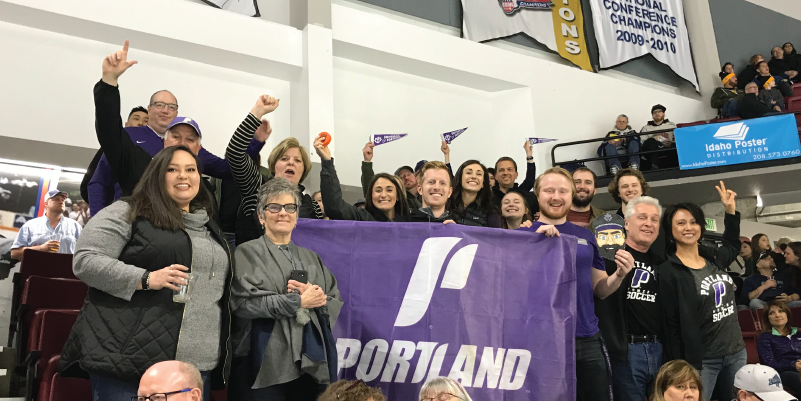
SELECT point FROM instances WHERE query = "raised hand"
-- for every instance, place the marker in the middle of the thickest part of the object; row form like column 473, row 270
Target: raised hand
column 115, row 64
column 624, row 261
column 263, row 132
column 727, row 196
column 322, row 150
column 264, row 104
column 446, row 150
column 528, row 148
column 367, row 152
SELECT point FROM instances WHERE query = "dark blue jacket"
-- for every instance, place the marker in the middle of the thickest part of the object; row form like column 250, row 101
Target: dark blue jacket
column 779, row 352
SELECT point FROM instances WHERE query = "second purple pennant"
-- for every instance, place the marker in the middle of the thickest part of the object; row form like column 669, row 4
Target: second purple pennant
column 380, row 139
column 535, row 141
column 450, row 136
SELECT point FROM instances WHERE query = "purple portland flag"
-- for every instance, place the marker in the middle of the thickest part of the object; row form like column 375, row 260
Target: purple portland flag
column 535, row 141
column 450, row 136
column 492, row 309
column 380, row 139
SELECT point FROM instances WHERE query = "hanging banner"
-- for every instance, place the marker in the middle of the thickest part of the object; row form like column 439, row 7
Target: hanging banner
column 559, row 25
column 627, row 29
column 380, row 139
column 448, row 137
column 428, row 300
column 535, row 141
column 244, row 7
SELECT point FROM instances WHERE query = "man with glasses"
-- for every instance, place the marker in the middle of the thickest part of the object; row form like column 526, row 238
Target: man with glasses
column 161, row 111
column 173, row 381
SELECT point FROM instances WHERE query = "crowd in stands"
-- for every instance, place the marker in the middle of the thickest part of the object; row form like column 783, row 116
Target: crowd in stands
column 654, row 306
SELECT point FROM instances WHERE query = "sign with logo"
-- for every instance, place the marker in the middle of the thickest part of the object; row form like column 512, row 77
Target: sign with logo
column 557, row 25
column 450, row 136
column 534, row 141
column 380, row 139
column 757, row 140
column 627, row 29
column 428, row 300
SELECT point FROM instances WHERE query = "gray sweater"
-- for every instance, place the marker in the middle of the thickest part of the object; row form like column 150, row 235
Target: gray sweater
column 96, row 263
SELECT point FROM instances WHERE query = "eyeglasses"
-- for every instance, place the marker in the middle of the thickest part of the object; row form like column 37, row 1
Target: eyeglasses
column 276, row 208
column 161, row 105
column 159, row 396
column 355, row 384
column 441, row 397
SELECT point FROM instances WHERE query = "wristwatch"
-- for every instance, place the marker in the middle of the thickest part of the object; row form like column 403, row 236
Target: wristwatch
column 146, row 281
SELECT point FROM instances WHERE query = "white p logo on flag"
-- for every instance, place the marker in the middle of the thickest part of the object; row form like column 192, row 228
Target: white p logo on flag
column 426, row 272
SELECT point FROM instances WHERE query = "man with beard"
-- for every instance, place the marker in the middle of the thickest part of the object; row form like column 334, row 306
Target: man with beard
column 555, row 190
column 631, row 318
column 581, row 211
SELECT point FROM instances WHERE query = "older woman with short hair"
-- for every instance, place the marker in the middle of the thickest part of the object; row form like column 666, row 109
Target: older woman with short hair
column 678, row 381
column 292, row 302
column 779, row 346
column 443, row 389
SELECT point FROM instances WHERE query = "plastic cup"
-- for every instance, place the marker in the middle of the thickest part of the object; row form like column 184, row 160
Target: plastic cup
column 56, row 237
column 182, row 295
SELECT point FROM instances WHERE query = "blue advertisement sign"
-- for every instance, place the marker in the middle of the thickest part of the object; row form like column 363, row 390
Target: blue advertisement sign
column 735, row 142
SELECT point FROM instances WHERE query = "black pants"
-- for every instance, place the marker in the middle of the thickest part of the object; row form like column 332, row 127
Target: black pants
column 648, row 161
column 304, row 388
column 592, row 370
column 791, row 381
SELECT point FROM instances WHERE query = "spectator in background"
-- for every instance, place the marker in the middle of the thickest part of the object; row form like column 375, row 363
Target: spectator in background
column 281, row 309
column 133, row 255
column 750, row 71
column 761, row 383
column 662, row 140
column 744, row 265
column 443, row 388
column 514, row 211
column 698, row 297
column 725, row 99
column 385, row 201
column 727, row 68
column 783, row 66
column 173, row 380
column 791, row 55
column 506, row 174
column 435, row 186
column 582, row 212
column 51, row 232
column 361, row 203
column 351, row 390
column 67, row 207
column 80, row 213
column 760, row 244
column 138, row 117
column 627, row 185
column 491, row 171
column 620, row 146
column 763, row 70
column 768, row 94
column 750, row 106
column 472, row 203
column 767, row 285
column 318, row 197
column 777, row 346
column 677, row 381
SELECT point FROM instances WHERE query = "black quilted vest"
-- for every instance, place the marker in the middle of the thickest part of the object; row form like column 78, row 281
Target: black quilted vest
column 121, row 339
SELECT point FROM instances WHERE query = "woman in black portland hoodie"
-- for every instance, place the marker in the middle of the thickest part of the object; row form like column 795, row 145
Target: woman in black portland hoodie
column 698, row 296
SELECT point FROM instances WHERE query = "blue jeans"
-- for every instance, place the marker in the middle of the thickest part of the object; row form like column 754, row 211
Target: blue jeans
column 631, row 148
column 105, row 389
column 719, row 372
column 730, row 108
column 634, row 381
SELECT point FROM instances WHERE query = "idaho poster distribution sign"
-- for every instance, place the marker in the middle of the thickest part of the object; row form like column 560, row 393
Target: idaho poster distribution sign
column 627, row 29
column 493, row 309
column 761, row 139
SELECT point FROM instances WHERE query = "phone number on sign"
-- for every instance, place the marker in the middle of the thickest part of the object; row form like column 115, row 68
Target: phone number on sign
column 638, row 39
column 786, row 153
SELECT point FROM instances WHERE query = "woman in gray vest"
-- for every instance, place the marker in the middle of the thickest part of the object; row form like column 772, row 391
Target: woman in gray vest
column 291, row 301
column 133, row 255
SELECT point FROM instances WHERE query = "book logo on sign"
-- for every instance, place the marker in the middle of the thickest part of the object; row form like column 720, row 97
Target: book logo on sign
column 734, row 132
column 510, row 6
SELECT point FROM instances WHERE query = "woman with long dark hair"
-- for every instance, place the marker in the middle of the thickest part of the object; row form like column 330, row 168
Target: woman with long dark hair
column 386, row 200
column 698, row 296
column 760, row 245
column 133, row 255
column 471, row 202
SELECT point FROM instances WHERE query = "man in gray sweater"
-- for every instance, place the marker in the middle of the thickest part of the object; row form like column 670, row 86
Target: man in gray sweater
column 662, row 140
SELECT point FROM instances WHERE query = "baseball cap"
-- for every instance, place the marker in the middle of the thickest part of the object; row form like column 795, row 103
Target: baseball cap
column 420, row 165
column 359, row 201
column 763, row 381
column 185, row 120
column 55, row 192
column 401, row 168
column 764, row 255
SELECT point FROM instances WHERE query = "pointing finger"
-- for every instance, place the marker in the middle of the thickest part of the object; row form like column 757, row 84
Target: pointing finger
column 125, row 47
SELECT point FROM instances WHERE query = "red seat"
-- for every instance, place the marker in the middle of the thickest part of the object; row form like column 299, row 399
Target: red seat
column 796, row 320
column 747, row 322
column 682, row 125
column 723, row 120
column 59, row 388
column 49, row 332
column 46, row 293
column 796, row 88
column 751, row 347
column 758, row 318
column 219, row 395
column 36, row 263
column 793, row 103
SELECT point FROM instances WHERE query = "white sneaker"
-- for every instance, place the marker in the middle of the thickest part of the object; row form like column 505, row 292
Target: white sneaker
column 613, row 170
column 634, row 166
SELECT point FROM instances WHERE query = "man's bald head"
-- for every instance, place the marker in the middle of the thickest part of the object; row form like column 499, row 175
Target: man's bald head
column 170, row 376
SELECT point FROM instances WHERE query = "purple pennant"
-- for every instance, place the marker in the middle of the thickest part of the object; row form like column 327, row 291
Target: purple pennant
column 535, row 141
column 450, row 136
column 380, row 139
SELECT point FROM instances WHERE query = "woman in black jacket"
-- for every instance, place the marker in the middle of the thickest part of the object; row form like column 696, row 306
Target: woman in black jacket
column 385, row 200
column 472, row 203
column 133, row 255
column 698, row 296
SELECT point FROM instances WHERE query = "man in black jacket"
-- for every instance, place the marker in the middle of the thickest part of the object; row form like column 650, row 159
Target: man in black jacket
column 631, row 319
column 750, row 106
column 506, row 174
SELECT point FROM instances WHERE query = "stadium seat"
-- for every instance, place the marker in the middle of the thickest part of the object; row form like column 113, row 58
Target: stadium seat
column 796, row 320
column 46, row 293
column 751, row 347
column 723, row 120
column 758, row 318
column 747, row 322
column 797, row 88
column 36, row 263
column 219, row 395
column 49, row 330
column 793, row 103
column 682, row 125
column 57, row 388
